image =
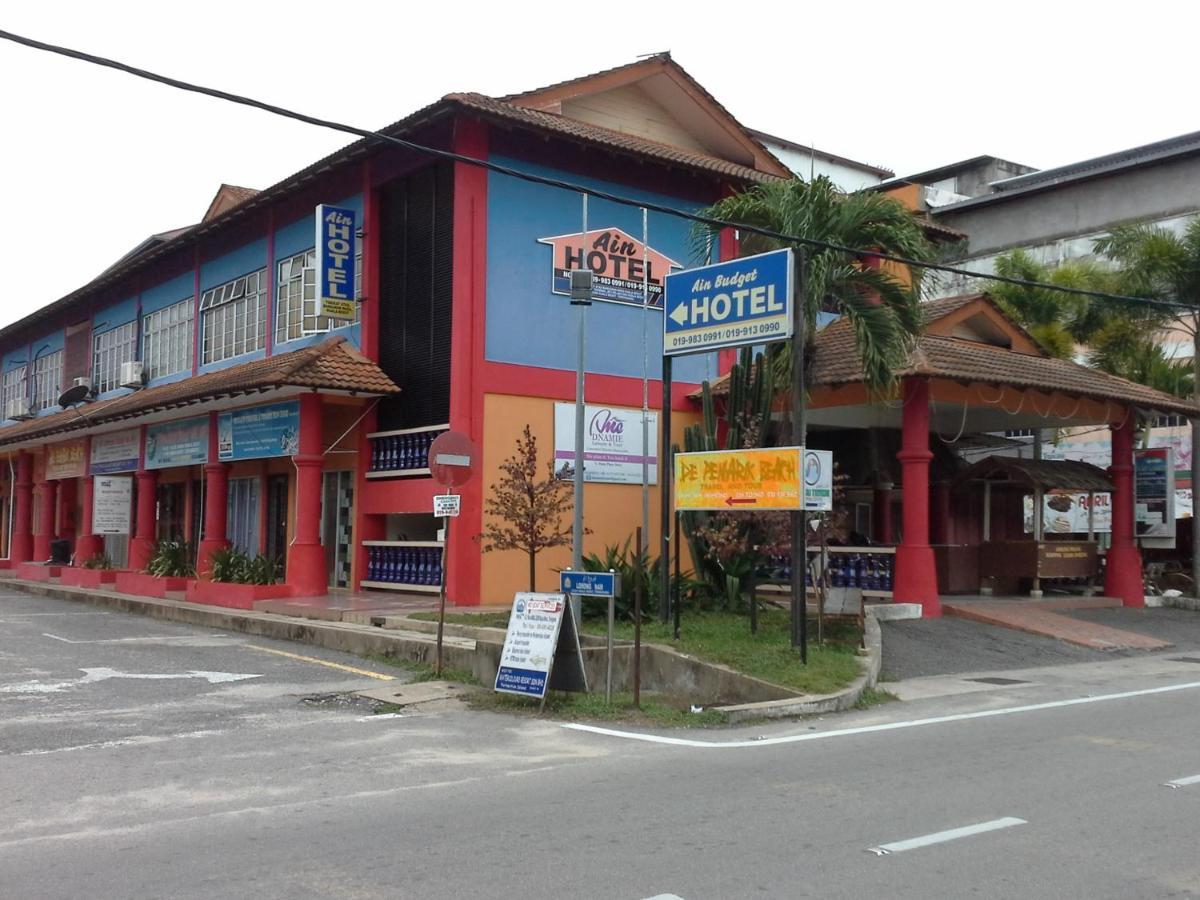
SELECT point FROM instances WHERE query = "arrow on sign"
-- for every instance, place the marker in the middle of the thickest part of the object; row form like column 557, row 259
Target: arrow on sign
column 680, row 314
column 736, row 501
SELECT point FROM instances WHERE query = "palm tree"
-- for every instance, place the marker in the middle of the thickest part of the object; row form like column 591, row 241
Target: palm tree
column 881, row 306
column 1158, row 263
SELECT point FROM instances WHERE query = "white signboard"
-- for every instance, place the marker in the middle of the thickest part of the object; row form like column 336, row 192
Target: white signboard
column 116, row 452
column 817, row 472
column 112, row 504
column 612, row 443
column 530, row 643
column 446, row 505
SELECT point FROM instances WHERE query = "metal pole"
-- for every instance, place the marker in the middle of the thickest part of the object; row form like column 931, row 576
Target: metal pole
column 666, row 480
column 640, row 586
column 612, row 621
column 799, row 436
column 678, row 541
column 663, row 601
column 1195, row 428
column 577, row 525
column 442, row 589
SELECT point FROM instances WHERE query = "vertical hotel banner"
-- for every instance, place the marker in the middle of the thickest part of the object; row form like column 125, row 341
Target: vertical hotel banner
column 336, row 236
column 623, row 268
column 259, row 432
column 66, row 460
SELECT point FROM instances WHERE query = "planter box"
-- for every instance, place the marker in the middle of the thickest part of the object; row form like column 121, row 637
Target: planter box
column 234, row 596
column 144, row 585
column 80, row 577
column 37, row 572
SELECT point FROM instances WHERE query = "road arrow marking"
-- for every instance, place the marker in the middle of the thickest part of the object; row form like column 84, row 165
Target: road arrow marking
column 680, row 314
column 1183, row 782
column 91, row 676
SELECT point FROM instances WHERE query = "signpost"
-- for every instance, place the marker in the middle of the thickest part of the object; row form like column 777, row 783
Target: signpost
column 595, row 584
column 452, row 458
column 534, row 658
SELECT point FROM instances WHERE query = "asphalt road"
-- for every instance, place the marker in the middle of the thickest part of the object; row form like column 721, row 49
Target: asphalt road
column 203, row 786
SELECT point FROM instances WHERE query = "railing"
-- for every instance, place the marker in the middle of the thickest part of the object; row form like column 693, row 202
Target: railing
column 402, row 453
column 404, row 565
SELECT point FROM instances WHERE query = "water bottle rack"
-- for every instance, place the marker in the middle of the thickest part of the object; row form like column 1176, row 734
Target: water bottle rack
column 870, row 568
column 403, row 453
column 411, row 566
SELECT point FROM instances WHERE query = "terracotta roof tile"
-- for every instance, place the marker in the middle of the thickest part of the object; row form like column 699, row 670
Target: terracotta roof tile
column 1069, row 474
column 331, row 364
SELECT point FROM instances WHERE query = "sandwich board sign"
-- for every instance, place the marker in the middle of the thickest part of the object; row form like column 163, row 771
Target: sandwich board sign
column 537, row 655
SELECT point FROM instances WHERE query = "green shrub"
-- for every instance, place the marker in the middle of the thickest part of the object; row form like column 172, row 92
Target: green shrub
column 232, row 566
column 172, row 559
column 98, row 561
column 634, row 567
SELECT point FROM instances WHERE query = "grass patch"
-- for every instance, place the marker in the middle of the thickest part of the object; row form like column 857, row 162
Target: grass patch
column 655, row 711
column 874, row 697
column 421, row 671
column 478, row 620
column 725, row 638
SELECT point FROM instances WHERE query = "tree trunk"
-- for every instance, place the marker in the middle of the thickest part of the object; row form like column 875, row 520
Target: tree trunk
column 1195, row 458
column 532, row 571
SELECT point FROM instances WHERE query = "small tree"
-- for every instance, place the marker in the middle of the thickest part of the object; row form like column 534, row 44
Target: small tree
column 527, row 512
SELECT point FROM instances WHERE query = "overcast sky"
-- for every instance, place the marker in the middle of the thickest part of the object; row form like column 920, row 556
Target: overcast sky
column 94, row 160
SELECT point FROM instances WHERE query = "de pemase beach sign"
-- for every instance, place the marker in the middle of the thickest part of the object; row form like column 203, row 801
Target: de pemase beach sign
column 729, row 304
column 768, row 478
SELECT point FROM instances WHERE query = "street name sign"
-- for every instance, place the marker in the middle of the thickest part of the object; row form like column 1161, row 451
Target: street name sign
column 534, row 657
column 729, row 304
column 589, row 584
column 446, row 506
column 768, row 478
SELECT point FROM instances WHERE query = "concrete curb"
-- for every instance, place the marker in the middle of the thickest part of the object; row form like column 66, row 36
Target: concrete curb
column 825, row 703
column 1189, row 603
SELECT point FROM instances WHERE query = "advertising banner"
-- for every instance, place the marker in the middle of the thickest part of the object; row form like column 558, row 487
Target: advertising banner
column 767, row 478
column 1066, row 512
column 259, row 432
column 1154, row 488
column 112, row 504
column 183, row 443
column 530, row 644
column 66, row 460
column 623, row 268
column 115, row 452
column 612, row 443
column 335, row 242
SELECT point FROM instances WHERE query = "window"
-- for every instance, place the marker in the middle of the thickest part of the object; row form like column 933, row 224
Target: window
column 234, row 317
column 109, row 350
column 296, row 296
column 16, row 392
column 167, row 337
column 47, row 380
column 1172, row 421
column 242, row 514
column 1019, row 432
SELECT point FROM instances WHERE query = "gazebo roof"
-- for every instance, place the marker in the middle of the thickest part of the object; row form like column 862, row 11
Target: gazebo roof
column 1067, row 474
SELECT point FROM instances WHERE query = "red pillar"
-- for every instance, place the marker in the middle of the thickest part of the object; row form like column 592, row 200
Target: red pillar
column 306, row 572
column 1123, row 575
column 141, row 548
column 21, row 549
column 883, row 515
column 916, row 575
column 87, row 544
column 216, row 504
column 45, row 532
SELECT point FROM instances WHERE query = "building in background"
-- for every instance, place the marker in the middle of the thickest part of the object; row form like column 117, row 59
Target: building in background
column 809, row 163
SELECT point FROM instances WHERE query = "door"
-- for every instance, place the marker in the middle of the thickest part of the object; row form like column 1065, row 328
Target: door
column 277, row 521
column 243, row 514
column 336, row 525
column 170, row 503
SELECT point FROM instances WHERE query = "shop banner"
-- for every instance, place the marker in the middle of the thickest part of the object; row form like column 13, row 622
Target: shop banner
column 65, row 460
column 116, row 452
column 624, row 270
column 112, row 504
column 1066, row 512
column 183, row 443
column 1154, row 483
column 751, row 479
column 336, row 232
column 259, row 432
column 612, row 443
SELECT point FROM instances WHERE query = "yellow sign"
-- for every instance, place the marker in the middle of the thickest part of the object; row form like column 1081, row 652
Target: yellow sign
column 768, row 478
column 337, row 309
column 65, row 460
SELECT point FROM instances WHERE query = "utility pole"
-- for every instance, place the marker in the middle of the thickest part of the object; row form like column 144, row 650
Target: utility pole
column 581, row 299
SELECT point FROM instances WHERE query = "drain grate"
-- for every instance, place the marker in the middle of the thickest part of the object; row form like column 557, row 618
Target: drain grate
column 1192, row 659
column 1002, row 680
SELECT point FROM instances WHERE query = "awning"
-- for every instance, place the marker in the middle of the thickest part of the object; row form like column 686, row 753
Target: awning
column 1048, row 474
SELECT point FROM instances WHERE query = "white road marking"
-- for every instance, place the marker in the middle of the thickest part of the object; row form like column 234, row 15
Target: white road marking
column 941, row 837
column 665, row 897
column 871, row 729
column 21, row 615
column 198, row 640
column 382, row 716
column 1183, row 782
column 91, row 676
column 122, row 742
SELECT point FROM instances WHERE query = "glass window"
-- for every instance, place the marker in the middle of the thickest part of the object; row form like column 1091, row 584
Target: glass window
column 47, row 380
column 234, row 317
column 296, row 296
column 16, row 392
column 242, row 514
column 167, row 338
column 109, row 350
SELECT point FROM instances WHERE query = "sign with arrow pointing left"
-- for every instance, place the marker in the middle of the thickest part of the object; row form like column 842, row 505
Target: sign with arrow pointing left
column 769, row 478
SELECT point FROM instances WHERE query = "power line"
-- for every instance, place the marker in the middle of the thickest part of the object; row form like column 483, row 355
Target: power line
column 451, row 156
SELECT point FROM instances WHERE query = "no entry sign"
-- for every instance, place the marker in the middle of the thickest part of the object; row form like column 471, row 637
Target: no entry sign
column 452, row 457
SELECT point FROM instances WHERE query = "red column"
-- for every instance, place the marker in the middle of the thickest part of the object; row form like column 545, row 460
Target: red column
column 87, row 544
column 21, row 549
column 45, row 532
column 1123, row 576
column 883, row 515
column 141, row 548
column 916, row 574
column 216, row 504
column 306, row 572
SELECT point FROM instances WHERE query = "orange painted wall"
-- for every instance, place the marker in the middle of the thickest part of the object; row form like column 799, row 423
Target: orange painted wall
column 611, row 511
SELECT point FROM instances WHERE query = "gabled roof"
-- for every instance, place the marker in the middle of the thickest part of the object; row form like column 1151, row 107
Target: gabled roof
column 227, row 197
column 669, row 84
column 1049, row 474
column 763, row 137
column 331, row 365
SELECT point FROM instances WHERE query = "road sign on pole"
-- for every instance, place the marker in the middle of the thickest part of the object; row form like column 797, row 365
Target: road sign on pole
column 767, row 478
column 452, row 458
column 729, row 304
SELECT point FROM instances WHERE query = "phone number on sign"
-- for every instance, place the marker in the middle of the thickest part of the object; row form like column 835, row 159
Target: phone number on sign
column 732, row 333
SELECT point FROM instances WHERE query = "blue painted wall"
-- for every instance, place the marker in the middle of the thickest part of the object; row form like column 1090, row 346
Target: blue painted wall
column 527, row 324
column 114, row 316
column 168, row 293
column 241, row 261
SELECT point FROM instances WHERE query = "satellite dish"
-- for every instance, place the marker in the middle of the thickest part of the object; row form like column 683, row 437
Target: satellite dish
column 74, row 395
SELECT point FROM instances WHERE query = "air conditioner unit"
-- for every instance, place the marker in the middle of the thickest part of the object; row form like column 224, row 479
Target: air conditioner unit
column 132, row 374
column 21, row 410
column 83, row 382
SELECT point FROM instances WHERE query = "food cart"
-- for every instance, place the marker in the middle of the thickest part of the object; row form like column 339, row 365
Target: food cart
column 1054, row 553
